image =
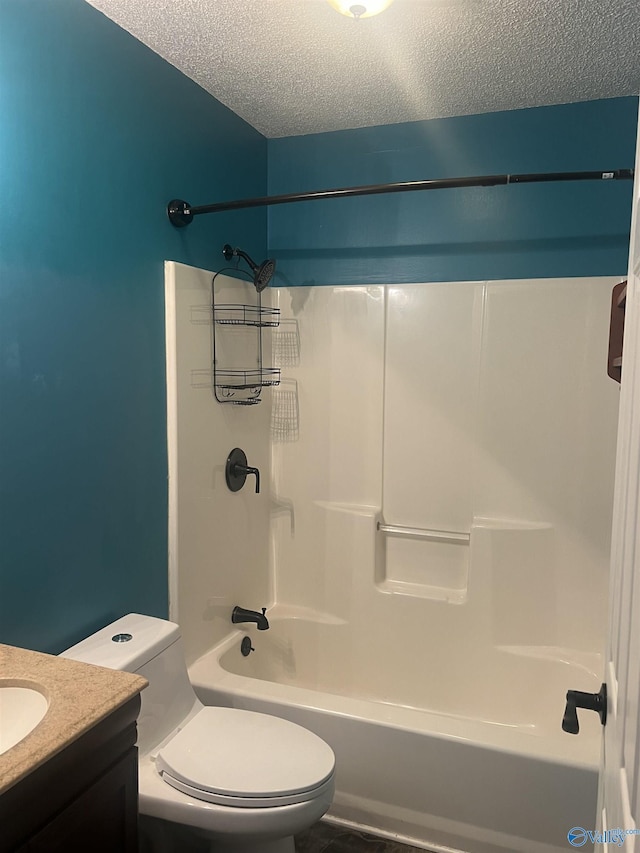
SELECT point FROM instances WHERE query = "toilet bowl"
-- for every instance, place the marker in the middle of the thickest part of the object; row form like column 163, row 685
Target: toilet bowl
column 210, row 778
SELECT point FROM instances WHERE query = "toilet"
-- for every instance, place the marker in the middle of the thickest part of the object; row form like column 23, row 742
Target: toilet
column 213, row 779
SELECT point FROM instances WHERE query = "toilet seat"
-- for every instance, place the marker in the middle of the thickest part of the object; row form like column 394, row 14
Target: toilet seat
column 245, row 759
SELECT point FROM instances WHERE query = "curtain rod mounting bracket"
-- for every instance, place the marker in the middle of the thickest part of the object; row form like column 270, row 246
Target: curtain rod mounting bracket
column 179, row 213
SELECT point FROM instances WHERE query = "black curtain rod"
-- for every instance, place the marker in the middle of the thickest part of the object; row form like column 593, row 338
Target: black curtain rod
column 181, row 213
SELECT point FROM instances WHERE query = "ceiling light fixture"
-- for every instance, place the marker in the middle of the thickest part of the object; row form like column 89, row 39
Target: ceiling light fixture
column 366, row 9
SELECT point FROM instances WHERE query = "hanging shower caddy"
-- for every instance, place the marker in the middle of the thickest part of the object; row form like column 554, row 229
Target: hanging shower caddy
column 234, row 380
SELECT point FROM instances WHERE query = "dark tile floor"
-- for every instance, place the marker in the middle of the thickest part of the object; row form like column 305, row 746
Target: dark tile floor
column 325, row 838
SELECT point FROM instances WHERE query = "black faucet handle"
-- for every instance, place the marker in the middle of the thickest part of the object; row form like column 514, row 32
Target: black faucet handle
column 249, row 470
column 236, row 470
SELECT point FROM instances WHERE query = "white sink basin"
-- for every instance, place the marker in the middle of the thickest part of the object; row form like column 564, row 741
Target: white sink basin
column 21, row 709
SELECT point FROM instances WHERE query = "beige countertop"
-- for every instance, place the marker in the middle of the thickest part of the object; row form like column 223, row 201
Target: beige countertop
column 80, row 695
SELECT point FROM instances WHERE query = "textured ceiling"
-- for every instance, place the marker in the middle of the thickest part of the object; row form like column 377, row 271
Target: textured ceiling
column 291, row 67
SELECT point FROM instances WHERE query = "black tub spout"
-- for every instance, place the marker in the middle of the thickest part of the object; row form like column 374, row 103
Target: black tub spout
column 239, row 614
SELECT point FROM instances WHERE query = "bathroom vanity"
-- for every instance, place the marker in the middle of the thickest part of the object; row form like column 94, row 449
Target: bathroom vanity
column 71, row 784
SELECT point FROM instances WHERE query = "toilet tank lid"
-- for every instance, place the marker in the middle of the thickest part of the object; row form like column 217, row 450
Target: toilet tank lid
column 127, row 643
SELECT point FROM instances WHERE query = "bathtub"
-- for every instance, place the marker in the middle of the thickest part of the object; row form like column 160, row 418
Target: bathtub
column 476, row 763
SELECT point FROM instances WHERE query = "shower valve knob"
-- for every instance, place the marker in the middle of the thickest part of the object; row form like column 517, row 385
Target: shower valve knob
column 237, row 470
column 590, row 701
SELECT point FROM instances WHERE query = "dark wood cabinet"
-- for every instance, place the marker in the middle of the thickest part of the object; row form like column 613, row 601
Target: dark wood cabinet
column 83, row 799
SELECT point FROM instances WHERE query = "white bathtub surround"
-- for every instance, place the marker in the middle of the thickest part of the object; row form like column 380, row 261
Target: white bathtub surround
column 451, row 407
column 482, row 409
column 435, row 660
column 218, row 539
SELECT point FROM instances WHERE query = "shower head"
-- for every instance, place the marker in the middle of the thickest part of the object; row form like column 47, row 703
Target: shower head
column 262, row 274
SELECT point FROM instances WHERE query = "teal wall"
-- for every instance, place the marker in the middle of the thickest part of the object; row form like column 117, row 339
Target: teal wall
column 97, row 133
column 465, row 234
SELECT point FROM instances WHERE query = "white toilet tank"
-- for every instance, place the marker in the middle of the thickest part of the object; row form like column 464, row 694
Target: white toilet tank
column 152, row 648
